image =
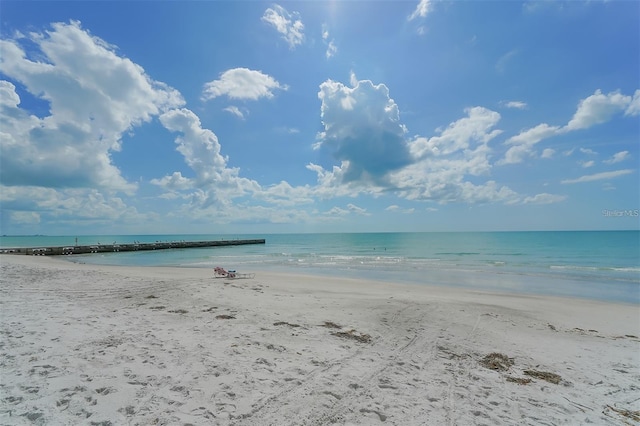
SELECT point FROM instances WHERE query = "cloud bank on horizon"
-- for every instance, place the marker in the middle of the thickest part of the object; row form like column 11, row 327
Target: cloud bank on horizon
column 310, row 117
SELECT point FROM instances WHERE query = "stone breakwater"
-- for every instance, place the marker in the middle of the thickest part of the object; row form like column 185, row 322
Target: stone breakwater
column 104, row 248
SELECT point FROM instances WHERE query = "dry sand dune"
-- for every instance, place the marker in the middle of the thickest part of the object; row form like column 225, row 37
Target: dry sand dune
column 102, row 345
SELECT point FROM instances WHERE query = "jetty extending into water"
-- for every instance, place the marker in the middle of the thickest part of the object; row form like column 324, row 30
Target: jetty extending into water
column 107, row 248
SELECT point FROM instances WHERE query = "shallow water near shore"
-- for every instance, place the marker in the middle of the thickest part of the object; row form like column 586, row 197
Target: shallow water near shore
column 602, row 265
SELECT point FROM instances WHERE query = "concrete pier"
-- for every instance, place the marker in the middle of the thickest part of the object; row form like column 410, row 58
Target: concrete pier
column 107, row 248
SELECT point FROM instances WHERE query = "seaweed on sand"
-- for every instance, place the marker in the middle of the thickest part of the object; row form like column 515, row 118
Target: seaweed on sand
column 286, row 323
column 633, row 415
column 497, row 361
column 225, row 317
column 519, row 380
column 544, row 375
column 352, row 334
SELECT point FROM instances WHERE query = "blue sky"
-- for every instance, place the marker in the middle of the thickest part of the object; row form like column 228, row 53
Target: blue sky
column 323, row 116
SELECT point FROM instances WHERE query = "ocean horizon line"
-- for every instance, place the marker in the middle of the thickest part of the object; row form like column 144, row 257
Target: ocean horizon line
column 320, row 233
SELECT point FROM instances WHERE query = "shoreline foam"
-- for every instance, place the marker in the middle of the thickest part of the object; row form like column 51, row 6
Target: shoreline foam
column 90, row 343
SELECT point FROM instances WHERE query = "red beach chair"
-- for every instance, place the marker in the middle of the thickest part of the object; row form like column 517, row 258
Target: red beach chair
column 222, row 273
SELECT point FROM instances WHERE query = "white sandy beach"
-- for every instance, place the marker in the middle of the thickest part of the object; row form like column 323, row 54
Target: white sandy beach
column 103, row 345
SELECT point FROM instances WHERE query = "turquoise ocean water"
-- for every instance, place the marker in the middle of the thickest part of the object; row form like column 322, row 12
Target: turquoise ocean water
column 601, row 265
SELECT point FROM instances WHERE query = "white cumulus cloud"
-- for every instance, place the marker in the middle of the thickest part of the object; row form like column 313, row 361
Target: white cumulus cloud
column 289, row 25
column 547, row 153
column 422, row 10
column 595, row 109
column 634, row 106
column 522, row 144
column 215, row 184
column 516, row 104
column 235, row 111
column 598, row 176
column 598, row 108
column 242, row 83
column 332, row 49
column 544, row 198
column 396, row 208
column 588, row 151
column 477, row 127
column 617, row 157
column 362, row 128
column 94, row 97
column 357, row 210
